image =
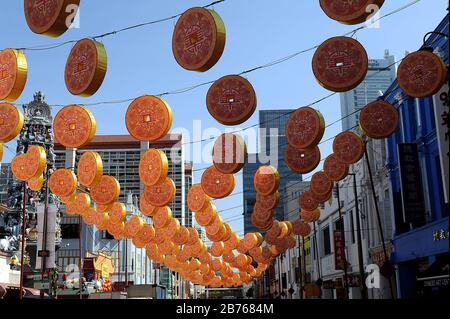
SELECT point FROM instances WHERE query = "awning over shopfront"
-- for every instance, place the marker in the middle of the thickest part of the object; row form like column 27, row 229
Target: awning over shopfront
column 430, row 240
column 437, row 275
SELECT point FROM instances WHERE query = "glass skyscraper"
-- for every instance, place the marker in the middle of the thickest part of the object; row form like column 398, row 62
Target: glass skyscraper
column 272, row 143
column 379, row 77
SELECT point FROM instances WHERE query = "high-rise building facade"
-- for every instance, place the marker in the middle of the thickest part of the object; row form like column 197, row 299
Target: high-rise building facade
column 380, row 75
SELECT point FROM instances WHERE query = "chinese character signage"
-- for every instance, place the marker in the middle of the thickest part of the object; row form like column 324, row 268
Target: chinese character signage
column 411, row 184
column 441, row 114
column 353, row 280
column 339, row 252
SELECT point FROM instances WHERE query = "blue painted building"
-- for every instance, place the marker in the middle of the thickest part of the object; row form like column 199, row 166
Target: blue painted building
column 421, row 249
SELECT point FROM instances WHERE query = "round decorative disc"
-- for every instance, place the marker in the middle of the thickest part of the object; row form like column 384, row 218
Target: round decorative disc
column 133, row 226
column 198, row 40
column 18, row 167
column 117, row 213
column 232, row 242
column 305, row 128
column 89, row 216
column 229, row 153
column 182, row 236
column 262, row 215
column 231, row 100
column 301, row 228
column 172, row 229
column 217, row 236
column 268, row 202
column 421, row 74
column 145, row 207
column 320, row 183
column 103, row 208
column 307, row 201
column 101, row 220
column 62, row 182
column 309, row 216
column 217, row 248
column 82, row 203
column 153, row 167
column 146, row 234
column 11, row 121
column 262, row 223
column 379, row 119
column 207, row 216
column 161, row 194
column 228, row 233
column 50, row 18
column 348, row 147
column 68, row 199
column 74, row 126
column 106, row 191
column 266, row 180
column 36, row 160
column 216, row 226
column 85, row 68
column 193, row 236
column 322, row 198
column 301, row 161
column 196, row 198
column 340, row 64
column 35, row 184
column 216, row 184
column 334, row 168
column 89, row 169
column 350, row 11
column 162, row 217
column 148, row 118
column 117, row 230
column 13, row 74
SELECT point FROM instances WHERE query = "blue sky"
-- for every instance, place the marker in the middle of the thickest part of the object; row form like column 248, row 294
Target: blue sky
column 140, row 61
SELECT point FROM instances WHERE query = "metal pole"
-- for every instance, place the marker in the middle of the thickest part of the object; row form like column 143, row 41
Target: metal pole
column 126, row 263
column 358, row 235
column 380, row 226
column 280, row 262
column 341, row 220
column 119, row 261
column 44, row 236
column 24, row 227
column 300, row 272
column 317, row 252
column 80, row 243
column 304, row 260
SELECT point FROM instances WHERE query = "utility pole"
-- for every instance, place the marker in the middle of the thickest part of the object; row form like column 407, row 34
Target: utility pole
column 317, row 252
column 358, row 236
column 380, row 226
column 44, row 235
column 126, row 263
column 280, row 263
column 300, row 275
column 24, row 228
column 341, row 221
column 80, row 243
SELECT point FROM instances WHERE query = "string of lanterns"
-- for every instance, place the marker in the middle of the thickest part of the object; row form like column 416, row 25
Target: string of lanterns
column 339, row 64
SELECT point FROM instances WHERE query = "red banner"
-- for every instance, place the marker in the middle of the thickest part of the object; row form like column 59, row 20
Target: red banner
column 339, row 252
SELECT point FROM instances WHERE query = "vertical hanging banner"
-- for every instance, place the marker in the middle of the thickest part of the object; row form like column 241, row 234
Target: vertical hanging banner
column 51, row 235
column 441, row 114
column 411, row 184
column 339, row 252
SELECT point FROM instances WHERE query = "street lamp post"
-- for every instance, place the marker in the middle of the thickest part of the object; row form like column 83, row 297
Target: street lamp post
column 358, row 236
